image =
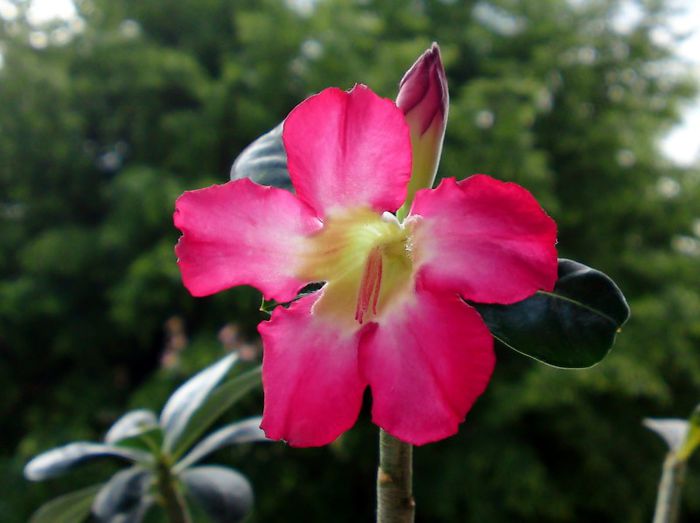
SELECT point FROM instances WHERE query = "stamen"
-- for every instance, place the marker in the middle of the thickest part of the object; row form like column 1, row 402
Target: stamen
column 370, row 285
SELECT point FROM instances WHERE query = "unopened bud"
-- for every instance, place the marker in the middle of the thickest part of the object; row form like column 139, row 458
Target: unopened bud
column 424, row 99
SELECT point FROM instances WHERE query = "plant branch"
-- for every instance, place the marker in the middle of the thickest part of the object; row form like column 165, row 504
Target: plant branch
column 171, row 496
column 395, row 502
column 669, row 496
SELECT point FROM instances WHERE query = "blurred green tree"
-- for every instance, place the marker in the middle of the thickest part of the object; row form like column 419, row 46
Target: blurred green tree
column 106, row 118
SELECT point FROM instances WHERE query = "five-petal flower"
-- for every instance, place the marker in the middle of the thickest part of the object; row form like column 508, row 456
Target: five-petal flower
column 391, row 314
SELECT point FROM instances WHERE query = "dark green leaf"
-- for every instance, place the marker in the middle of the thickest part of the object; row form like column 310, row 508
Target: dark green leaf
column 59, row 460
column 218, row 402
column 124, row 497
column 572, row 327
column 69, row 508
column 188, row 398
column 131, row 424
column 245, row 431
column 267, row 306
column 264, row 161
column 224, row 494
column 150, row 440
column 136, row 429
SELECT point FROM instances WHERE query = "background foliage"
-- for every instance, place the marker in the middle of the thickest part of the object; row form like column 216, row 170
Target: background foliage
column 106, row 118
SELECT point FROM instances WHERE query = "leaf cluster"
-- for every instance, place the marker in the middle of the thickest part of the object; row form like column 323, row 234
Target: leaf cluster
column 162, row 454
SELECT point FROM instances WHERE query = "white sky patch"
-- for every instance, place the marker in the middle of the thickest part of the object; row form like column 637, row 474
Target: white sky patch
column 42, row 11
column 682, row 144
column 7, row 10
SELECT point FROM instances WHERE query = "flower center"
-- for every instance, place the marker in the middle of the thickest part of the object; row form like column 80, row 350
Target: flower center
column 366, row 261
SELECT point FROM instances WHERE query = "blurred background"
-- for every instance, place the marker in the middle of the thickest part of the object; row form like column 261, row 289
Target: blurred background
column 109, row 109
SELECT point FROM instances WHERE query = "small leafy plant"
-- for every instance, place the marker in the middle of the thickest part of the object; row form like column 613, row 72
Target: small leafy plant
column 162, row 452
column 683, row 438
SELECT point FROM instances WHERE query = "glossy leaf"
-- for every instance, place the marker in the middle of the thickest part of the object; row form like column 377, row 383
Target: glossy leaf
column 692, row 437
column 62, row 459
column 264, row 161
column 572, row 327
column 124, row 497
column 136, row 429
column 189, row 397
column 246, row 431
column 150, row 440
column 672, row 430
column 131, row 424
column 224, row 494
column 218, row 402
column 69, row 508
column 681, row 436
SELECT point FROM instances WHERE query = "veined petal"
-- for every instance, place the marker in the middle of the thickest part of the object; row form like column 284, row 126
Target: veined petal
column 313, row 388
column 426, row 364
column 488, row 240
column 241, row 233
column 347, row 150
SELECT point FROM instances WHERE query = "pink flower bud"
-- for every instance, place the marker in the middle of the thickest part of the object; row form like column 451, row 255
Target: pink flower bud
column 424, row 100
column 423, row 95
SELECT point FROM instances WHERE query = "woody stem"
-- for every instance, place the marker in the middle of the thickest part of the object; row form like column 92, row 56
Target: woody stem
column 395, row 502
column 669, row 495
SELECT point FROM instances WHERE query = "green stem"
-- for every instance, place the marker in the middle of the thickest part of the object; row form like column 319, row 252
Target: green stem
column 395, row 502
column 171, row 497
column 669, row 495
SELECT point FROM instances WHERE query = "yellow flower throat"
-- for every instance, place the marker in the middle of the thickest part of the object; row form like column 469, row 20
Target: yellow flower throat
column 366, row 260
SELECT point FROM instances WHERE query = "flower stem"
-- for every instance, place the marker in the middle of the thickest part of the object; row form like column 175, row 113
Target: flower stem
column 669, row 495
column 395, row 502
column 171, row 497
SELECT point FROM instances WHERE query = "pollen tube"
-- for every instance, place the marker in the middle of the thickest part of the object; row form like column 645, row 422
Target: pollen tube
column 365, row 260
column 370, row 285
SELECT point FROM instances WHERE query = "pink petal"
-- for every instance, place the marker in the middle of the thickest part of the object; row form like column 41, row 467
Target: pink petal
column 313, row 389
column 241, row 233
column 348, row 149
column 488, row 240
column 426, row 364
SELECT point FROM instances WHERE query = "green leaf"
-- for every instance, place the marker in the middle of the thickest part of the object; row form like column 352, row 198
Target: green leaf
column 574, row 326
column 692, row 437
column 124, row 497
column 131, row 424
column 136, row 429
column 188, row 398
column 69, row 508
column 682, row 436
column 246, row 431
column 62, row 459
column 264, row 161
column 224, row 494
column 267, row 306
column 220, row 400
column 672, row 430
column 150, row 440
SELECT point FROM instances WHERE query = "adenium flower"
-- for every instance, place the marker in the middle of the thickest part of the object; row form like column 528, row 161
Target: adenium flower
column 391, row 313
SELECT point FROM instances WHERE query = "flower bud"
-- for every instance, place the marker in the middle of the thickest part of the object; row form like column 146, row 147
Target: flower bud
column 424, row 99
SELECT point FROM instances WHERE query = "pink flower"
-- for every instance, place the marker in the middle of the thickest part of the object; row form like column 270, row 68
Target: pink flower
column 391, row 314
